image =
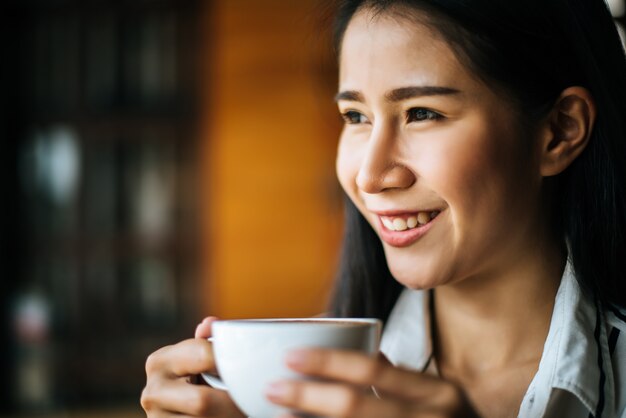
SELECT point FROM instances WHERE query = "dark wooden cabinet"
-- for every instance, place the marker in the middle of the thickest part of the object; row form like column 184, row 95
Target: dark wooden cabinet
column 99, row 216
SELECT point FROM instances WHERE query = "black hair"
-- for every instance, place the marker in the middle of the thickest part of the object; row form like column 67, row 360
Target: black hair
column 531, row 51
column 364, row 286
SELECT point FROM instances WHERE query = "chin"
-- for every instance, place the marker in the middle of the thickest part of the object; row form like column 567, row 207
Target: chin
column 414, row 277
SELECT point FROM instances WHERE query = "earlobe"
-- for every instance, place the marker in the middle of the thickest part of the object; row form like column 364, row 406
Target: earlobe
column 568, row 130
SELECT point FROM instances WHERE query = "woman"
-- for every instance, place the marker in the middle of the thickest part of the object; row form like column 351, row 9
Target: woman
column 483, row 157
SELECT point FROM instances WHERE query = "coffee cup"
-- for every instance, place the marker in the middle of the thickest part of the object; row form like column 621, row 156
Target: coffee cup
column 250, row 353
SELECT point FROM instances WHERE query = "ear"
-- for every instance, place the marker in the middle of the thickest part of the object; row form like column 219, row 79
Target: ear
column 567, row 130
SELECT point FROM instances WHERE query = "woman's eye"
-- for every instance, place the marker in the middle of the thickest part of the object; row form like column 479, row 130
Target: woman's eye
column 418, row 114
column 353, row 117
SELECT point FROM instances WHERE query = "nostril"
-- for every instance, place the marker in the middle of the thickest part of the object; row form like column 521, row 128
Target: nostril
column 394, row 177
column 398, row 177
column 368, row 183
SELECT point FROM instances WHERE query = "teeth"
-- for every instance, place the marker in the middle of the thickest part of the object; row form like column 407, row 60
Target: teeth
column 423, row 218
column 388, row 224
column 401, row 224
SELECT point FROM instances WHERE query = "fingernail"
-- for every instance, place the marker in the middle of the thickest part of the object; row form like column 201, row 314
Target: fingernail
column 278, row 390
column 297, row 358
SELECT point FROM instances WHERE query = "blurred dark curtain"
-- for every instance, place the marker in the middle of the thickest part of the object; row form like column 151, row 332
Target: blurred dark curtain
column 9, row 210
column 98, row 215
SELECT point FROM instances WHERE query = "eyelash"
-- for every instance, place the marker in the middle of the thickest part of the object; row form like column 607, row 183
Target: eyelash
column 420, row 114
column 350, row 116
column 415, row 114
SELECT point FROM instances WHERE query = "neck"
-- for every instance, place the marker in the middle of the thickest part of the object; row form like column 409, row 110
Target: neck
column 500, row 319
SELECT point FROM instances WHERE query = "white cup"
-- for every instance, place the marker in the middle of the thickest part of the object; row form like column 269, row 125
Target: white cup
column 250, row 353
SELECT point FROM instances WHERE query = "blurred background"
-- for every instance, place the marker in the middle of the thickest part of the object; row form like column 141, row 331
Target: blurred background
column 162, row 160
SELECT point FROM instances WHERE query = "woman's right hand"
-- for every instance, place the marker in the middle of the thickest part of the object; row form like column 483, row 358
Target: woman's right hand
column 171, row 375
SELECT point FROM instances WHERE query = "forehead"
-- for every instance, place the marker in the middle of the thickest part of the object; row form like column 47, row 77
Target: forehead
column 390, row 49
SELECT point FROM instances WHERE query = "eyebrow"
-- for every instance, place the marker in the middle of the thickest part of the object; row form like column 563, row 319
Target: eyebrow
column 399, row 94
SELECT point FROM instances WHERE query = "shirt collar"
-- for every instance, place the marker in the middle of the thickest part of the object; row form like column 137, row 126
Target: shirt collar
column 576, row 345
column 575, row 356
column 406, row 339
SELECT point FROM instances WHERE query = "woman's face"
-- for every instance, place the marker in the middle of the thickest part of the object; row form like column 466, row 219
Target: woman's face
column 431, row 156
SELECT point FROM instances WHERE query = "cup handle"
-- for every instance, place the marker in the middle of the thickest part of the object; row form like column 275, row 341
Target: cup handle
column 212, row 380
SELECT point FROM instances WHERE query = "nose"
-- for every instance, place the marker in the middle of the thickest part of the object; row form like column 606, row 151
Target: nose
column 382, row 167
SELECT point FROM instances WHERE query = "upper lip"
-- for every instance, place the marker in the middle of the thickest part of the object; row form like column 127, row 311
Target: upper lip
column 401, row 212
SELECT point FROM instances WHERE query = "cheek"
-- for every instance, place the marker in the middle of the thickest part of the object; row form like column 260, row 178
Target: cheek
column 488, row 184
column 347, row 166
column 455, row 167
column 476, row 169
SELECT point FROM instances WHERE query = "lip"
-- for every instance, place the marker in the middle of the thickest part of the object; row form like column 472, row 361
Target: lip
column 407, row 237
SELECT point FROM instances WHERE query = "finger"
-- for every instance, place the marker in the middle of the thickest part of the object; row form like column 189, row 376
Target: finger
column 189, row 357
column 383, row 358
column 178, row 398
column 340, row 401
column 203, row 330
column 363, row 370
column 333, row 400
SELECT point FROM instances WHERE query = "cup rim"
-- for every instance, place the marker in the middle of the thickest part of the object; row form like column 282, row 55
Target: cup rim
column 310, row 320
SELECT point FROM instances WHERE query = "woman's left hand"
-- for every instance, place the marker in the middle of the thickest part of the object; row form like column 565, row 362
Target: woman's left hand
column 351, row 384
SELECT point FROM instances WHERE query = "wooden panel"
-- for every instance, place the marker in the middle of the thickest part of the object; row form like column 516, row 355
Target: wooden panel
column 272, row 206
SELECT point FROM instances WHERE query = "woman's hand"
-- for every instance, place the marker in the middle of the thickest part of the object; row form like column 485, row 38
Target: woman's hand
column 171, row 371
column 351, row 384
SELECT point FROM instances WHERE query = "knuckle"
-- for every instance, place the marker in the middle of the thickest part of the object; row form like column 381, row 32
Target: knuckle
column 452, row 398
column 199, row 403
column 351, row 404
column 373, row 371
column 153, row 362
column 147, row 399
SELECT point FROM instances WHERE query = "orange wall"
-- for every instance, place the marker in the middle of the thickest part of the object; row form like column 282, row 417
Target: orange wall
column 271, row 205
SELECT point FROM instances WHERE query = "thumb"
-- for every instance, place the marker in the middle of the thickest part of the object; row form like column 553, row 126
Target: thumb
column 203, row 330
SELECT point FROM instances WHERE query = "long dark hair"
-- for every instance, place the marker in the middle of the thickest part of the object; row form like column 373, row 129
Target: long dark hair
column 531, row 51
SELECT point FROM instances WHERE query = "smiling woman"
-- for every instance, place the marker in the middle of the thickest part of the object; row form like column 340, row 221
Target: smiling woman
column 482, row 157
column 491, row 136
column 442, row 143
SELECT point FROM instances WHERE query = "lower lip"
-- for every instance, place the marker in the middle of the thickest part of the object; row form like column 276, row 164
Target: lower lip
column 406, row 237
